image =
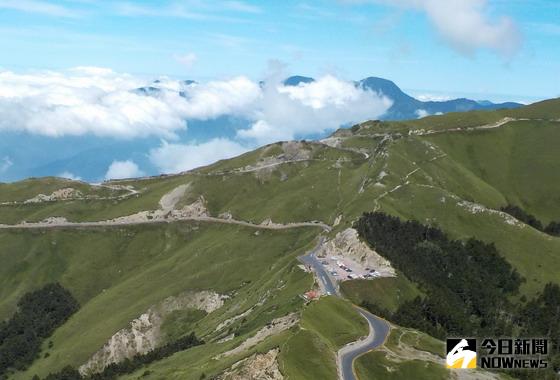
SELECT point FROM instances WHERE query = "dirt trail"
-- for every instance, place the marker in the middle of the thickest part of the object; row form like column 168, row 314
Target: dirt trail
column 497, row 124
column 167, row 213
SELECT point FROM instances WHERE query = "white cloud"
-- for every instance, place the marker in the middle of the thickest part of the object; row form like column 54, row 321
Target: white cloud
column 131, row 9
column 432, row 97
column 465, row 24
column 187, row 9
column 101, row 102
column 241, row 6
column 174, row 158
column 42, row 7
column 309, row 108
column 123, row 169
column 263, row 132
column 68, row 175
column 237, row 96
column 85, row 100
column 5, row 164
column 421, row 113
column 187, row 60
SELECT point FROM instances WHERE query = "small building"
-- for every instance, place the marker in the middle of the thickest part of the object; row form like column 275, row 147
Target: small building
column 311, row 295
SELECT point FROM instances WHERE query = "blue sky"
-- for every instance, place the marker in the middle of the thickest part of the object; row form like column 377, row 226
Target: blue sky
column 403, row 40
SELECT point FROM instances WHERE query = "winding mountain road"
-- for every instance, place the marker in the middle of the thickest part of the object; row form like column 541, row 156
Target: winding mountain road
column 378, row 331
column 378, row 328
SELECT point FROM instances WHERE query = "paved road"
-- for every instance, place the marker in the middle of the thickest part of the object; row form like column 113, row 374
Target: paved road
column 378, row 331
column 116, row 223
column 378, row 328
column 327, row 283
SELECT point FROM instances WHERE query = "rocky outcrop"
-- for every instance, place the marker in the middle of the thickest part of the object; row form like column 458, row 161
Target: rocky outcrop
column 256, row 367
column 475, row 208
column 55, row 220
column 144, row 333
column 274, row 327
column 195, row 209
column 62, row 194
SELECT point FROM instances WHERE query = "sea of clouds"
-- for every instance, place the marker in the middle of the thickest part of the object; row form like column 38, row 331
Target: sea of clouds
column 98, row 102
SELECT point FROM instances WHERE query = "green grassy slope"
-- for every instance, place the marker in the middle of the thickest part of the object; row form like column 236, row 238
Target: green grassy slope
column 516, row 161
column 92, row 209
column 377, row 365
column 117, row 274
column 23, row 190
column 335, row 320
column 307, row 356
column 388, row 293
column 306, row 353
column 452, row 179
column 326, row 326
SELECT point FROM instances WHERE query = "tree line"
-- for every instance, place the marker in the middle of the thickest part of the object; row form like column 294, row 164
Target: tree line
column 467, row 285
column 38, row 314
column 553, row 228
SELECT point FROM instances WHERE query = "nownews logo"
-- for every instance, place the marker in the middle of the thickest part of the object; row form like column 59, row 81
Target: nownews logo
column 461, row 353
column 502, row 353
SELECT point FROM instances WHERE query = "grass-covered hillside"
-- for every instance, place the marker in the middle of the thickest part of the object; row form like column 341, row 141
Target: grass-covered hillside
column 453, row 172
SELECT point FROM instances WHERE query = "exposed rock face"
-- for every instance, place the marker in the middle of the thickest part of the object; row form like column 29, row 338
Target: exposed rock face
column 475, row 208
column 61, row 194
column 195, row 209
column 348, row 244
column 295, row 150
column 292, row 151
column 55, row 220
column 276, row 326
column 144, row 333
column 337, row 220
column 255, row 367
column 169, row 200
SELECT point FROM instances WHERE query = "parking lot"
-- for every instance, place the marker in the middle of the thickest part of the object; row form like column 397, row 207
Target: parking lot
column 342, row 268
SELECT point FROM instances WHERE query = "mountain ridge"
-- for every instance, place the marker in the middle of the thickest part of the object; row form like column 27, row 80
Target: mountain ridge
column 406, row 106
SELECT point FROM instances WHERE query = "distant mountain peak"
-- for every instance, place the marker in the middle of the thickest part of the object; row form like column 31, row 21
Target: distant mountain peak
column 297, row 80
column 407, row 107
column 385, row 87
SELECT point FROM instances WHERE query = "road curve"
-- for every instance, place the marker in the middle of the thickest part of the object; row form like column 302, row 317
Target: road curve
column 378, row 328
column 378, row 331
